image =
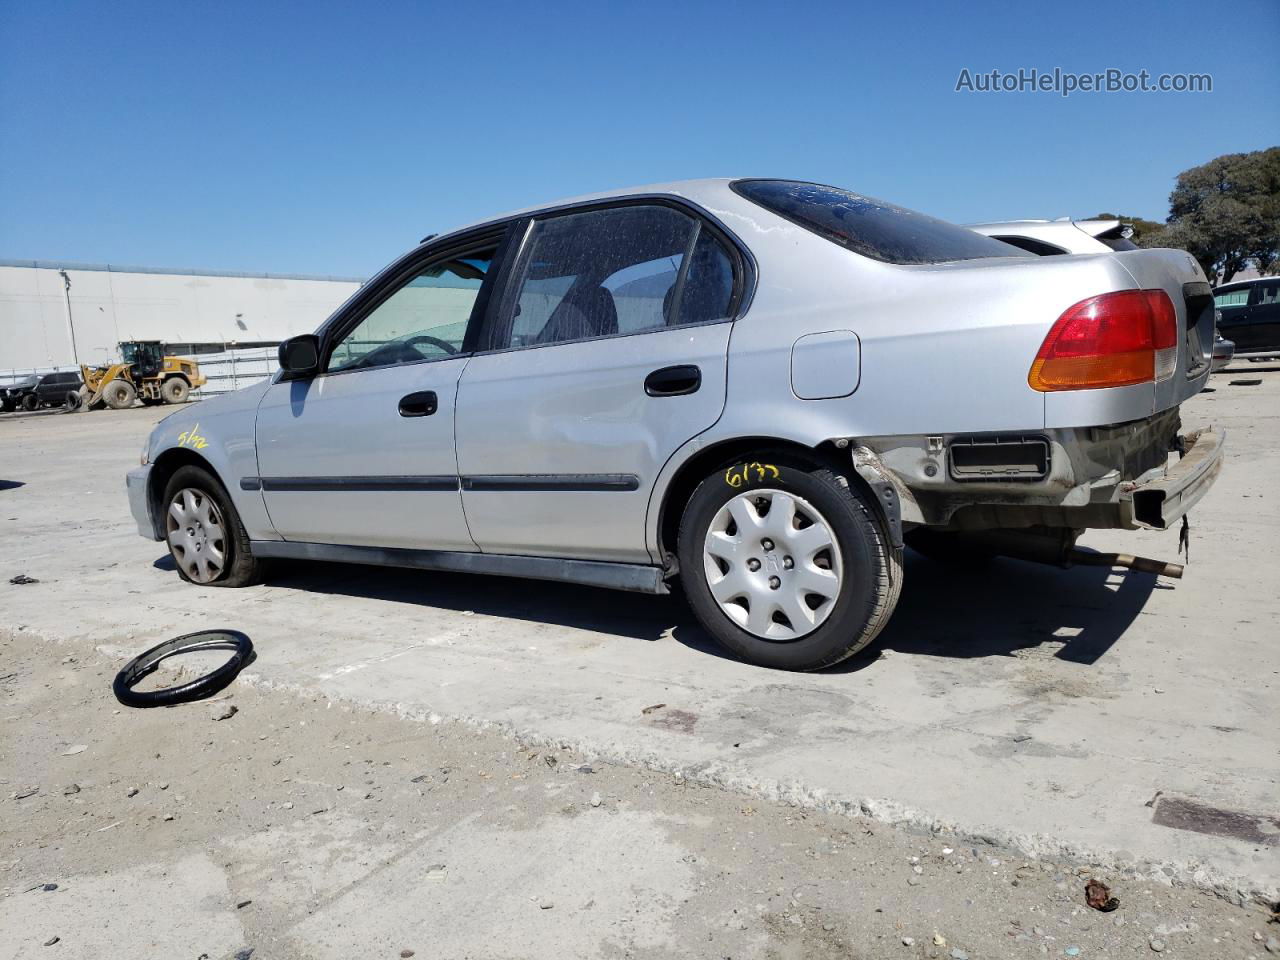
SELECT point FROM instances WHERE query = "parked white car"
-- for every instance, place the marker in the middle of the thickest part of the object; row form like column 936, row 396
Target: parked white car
column 1047, row 238
column 762, row 387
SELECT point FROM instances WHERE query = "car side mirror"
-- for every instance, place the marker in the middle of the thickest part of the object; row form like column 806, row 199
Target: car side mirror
column 300, row 356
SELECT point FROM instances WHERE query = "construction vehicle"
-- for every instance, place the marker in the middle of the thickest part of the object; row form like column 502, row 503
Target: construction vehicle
column 145, row 374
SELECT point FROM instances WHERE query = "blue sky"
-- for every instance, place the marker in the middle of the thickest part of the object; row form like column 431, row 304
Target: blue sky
column 328, row 138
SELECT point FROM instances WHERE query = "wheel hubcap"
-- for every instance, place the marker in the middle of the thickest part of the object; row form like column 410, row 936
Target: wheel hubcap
column 772, row 564
column 196, row 537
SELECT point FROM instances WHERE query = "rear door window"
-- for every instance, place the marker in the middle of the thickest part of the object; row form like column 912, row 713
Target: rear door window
column 623, row 270
column 870, row 227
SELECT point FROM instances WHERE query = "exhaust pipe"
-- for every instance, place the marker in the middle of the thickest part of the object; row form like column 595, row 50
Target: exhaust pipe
column 1087, row 558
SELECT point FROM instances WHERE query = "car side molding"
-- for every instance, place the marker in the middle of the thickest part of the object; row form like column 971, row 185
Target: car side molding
column 635, row 577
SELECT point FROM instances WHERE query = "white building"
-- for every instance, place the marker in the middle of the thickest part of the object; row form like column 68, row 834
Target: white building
column 194, row 311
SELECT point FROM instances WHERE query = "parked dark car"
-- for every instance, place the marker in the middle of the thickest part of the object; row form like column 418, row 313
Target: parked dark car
column 12, row 394
column 1249, row 315
column 46, row 390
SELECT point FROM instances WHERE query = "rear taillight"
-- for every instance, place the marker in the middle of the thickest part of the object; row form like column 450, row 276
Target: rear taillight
column 1112, row 340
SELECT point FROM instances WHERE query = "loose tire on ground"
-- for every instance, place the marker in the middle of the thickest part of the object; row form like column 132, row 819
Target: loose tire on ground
column 30, row 402
column 731, row 553
column 119, row 394
column 204, row 686
column 175, row 390
column 206, row 540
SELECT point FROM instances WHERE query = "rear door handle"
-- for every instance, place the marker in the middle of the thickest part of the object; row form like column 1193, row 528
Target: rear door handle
column 422, row 404
column 673, row 381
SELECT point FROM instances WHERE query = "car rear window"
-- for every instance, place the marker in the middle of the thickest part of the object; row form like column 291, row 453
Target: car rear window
column 870, row 227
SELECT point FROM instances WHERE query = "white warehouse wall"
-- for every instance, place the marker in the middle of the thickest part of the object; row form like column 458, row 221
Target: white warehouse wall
column 111, row 304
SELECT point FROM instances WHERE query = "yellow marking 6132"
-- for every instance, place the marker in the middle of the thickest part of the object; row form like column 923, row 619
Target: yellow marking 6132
column 191, row 438
column 741, row 473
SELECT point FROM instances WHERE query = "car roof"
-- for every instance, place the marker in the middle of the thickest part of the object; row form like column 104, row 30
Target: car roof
column 699, row 191
column 1235, row 284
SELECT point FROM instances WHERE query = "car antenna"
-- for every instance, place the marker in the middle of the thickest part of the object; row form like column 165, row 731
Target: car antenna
column 429, row 236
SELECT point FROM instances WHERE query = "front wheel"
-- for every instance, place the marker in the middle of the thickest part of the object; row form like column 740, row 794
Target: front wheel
column 30, row 402
column 208, row 543
column 786, row 564
column 175, row 390
column 119, row 394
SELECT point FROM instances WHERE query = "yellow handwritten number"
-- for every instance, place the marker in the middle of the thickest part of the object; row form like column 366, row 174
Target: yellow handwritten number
column 191, row 438
column 742, row 473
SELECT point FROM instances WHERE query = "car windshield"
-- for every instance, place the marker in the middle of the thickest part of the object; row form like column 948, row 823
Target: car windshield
column 870, row 227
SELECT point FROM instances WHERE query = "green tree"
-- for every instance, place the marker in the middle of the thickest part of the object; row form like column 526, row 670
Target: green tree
column 1226, row 213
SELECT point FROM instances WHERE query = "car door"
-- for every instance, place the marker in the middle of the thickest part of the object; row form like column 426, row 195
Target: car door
column 607, row 352
column 362, row 453
column 1264, row 317
column 1232, row 304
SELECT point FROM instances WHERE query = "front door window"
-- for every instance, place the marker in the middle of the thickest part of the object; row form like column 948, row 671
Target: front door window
column 426, row 319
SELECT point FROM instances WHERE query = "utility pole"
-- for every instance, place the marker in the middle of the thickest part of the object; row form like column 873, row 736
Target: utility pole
column 66, row 289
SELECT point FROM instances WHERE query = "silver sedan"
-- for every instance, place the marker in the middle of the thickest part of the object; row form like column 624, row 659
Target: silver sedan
column 762, row 388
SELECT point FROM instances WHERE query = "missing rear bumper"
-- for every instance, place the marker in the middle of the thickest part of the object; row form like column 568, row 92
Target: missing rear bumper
column 1161, row 498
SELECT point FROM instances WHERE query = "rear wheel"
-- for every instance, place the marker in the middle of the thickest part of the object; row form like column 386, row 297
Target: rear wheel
column 30, row 402
column 208, row 543
column 72, row 401
column 119, row 394
column 786, row 564
column 175, row 390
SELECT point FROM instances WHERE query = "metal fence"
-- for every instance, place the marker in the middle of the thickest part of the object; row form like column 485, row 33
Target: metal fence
column 233, row 369
column 226, row 370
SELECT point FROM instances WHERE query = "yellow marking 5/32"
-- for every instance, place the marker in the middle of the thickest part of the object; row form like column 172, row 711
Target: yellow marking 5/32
column 741, row 473
column 192, row 438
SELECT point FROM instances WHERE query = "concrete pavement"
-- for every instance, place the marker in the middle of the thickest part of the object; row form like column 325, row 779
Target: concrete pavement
column 1039, row 708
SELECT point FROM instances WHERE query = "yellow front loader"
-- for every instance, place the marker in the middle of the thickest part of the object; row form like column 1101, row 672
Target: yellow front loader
column 146, row 374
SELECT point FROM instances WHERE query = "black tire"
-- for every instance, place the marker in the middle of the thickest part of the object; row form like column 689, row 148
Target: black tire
column 175, row 390
column 119, row 394
column 241, row 568
column 206, row 686
column 72, row 401
column 872, row 567
column 949, row 549
column 30, row 402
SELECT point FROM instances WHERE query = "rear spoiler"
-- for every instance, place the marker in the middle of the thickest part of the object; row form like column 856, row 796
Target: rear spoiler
column 1114, row 233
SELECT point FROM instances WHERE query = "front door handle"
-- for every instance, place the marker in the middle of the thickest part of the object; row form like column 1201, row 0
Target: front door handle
column 673, row 381
column 422, row 404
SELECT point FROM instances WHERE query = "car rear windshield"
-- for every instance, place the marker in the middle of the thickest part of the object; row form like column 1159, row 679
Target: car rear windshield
column 870, row 227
